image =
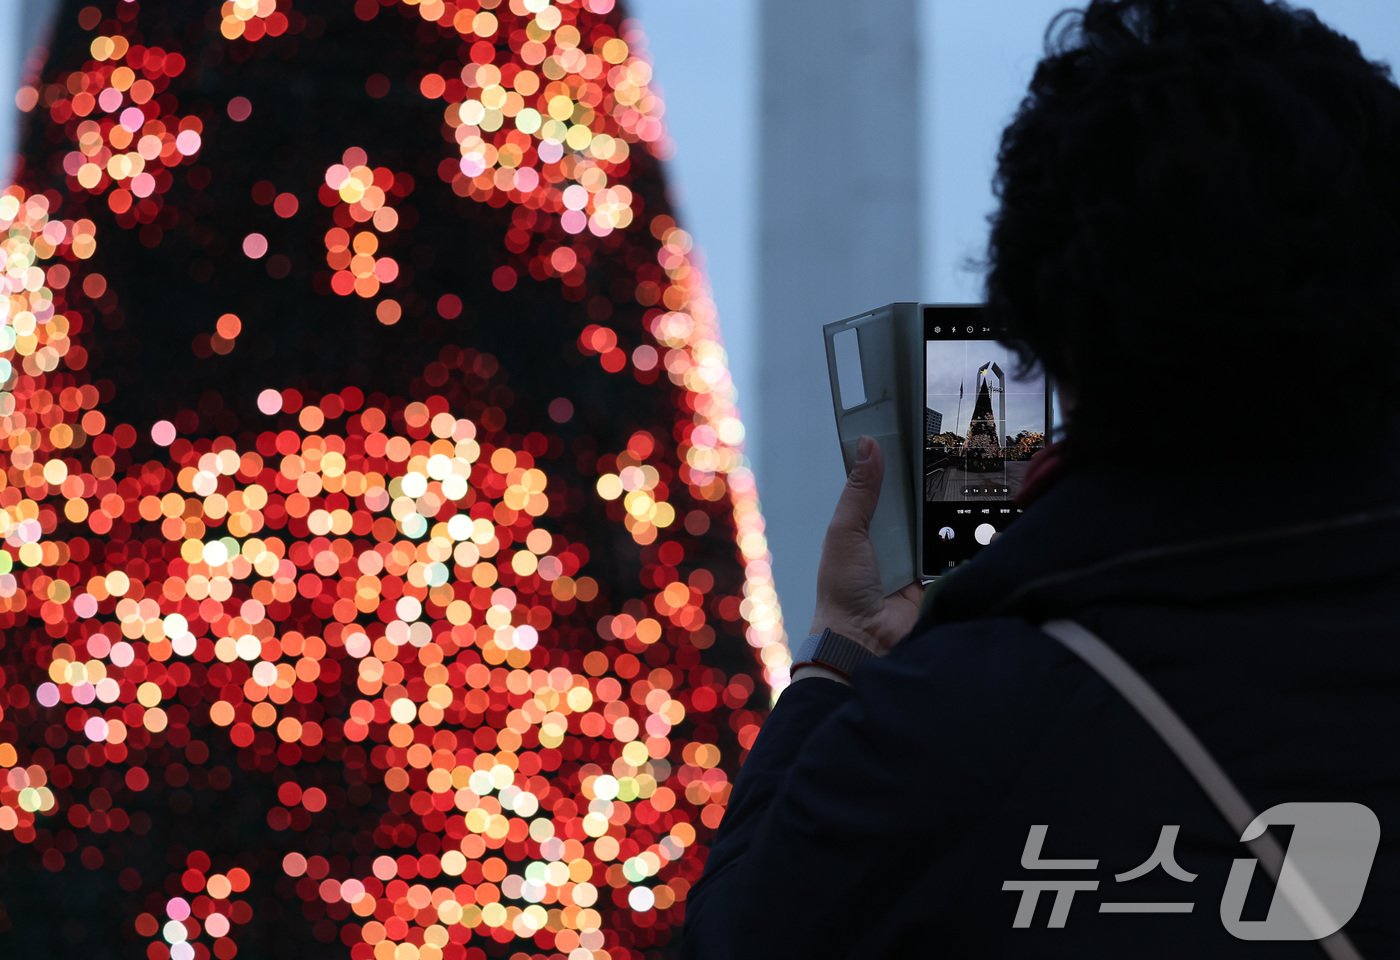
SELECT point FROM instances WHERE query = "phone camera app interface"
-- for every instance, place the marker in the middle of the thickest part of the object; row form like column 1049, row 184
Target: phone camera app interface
column 981, row 426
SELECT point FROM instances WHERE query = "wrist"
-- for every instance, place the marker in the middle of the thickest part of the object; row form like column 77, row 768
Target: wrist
column 848, row 628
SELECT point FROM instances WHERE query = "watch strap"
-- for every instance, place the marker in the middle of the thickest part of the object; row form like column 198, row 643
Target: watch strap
column 833, row 651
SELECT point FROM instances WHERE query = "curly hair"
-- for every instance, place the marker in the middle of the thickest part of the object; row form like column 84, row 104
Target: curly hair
column 1199, row 229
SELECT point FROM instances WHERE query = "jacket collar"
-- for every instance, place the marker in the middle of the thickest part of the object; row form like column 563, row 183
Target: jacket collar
column 1129, row 534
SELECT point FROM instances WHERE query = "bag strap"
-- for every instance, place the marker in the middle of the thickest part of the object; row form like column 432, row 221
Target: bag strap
column 1228, row 799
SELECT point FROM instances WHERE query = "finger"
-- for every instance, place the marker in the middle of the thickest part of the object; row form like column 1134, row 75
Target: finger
column 857, row 503
column 914, row 596
column 914, row 593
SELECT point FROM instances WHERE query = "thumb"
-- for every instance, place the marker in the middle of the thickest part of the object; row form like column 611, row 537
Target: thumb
column 862, row 492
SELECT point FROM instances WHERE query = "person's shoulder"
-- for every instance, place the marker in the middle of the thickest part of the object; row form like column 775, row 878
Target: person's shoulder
column 993, row 651
column 994, row 678
column 961, row 711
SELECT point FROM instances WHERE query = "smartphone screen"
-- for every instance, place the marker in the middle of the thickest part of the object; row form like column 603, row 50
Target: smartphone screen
column 981, row 426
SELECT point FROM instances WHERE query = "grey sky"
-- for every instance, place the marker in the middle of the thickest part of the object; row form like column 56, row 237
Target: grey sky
column 705, row 57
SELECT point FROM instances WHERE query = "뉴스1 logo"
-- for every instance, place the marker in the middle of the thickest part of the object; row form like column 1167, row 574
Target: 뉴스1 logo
column 1320, row 882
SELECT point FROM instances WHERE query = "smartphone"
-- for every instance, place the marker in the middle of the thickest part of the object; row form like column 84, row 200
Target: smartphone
column 979, row 428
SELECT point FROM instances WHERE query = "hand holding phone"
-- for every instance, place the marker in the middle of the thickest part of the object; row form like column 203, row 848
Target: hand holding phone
column 958, row 429
column 851, row 598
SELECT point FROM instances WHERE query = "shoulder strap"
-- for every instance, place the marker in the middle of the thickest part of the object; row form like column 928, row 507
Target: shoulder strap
column 1208, row 773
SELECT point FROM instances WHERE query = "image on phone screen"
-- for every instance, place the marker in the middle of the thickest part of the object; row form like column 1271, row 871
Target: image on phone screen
column 981, row 426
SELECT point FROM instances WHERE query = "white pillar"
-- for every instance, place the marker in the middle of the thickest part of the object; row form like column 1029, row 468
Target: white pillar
column 839, row 194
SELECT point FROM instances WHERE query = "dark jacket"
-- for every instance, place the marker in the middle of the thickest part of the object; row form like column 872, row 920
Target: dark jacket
column 881, row 819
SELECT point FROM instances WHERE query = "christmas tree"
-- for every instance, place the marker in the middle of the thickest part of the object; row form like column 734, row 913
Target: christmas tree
column 983, row 442
column 381, row 575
